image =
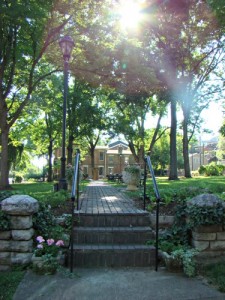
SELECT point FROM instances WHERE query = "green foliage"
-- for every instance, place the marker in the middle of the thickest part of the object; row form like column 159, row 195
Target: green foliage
column 186, row 257
column 212, row 170
column 18, row 178
column 45, row 225
column 168, row 246
column 53, row 199
column 9, row 282
column 189, row 265
column 133, row 169
column 43, row 221
column 205, row 215
column 216, row 275
column 4, row 221
column 6, row 194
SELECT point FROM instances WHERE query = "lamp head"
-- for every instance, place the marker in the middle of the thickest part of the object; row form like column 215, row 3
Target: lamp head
column 66, row 44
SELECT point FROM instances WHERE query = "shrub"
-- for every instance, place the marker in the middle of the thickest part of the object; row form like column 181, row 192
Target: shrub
column 134, row 169
column 212, row 170
column 18, row 179
column 53, row 199
column 43, row 221
column 216, row 274
column 205, row 215
column 6, row 194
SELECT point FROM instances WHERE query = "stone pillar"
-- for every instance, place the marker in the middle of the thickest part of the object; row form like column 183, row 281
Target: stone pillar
column 16, row 244
column 209, row 240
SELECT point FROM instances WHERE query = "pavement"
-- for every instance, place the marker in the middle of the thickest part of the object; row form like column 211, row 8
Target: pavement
column 112, row 283
column 115, row 284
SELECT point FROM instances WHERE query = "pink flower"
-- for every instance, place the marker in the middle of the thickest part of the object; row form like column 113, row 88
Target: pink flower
column 40, row 239
column 50, row 242
column 40, row 246
column 59, row 243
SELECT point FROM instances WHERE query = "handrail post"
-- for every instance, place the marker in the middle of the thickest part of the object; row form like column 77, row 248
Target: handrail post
column 145, row 179
column 157, row 211
column 75, row 185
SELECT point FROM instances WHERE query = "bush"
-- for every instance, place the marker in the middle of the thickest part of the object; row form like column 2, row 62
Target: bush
column 53, row 199
column 212, row 170
column 6, row 194
column 43, row 221
column 18, row 179
column 216, row 274
column 205, row 215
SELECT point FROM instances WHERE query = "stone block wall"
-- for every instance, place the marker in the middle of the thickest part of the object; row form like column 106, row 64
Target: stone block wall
column 209, row 240
column 16, row 244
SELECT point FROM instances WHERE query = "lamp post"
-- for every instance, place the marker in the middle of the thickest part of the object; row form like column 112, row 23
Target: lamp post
column 66, row 44
column 120, row 151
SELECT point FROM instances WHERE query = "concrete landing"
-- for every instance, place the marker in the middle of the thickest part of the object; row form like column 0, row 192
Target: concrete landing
column 115, row 284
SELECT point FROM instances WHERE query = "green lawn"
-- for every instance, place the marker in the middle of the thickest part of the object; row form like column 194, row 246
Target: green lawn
column 9, row 281
column 36, row 187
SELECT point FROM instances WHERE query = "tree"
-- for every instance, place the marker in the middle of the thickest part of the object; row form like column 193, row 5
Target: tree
column 25, row 34
column 46, row 131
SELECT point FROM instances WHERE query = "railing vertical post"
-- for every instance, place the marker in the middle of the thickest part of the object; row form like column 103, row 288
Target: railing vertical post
column 157, row 211
column 78, row 190
column 71, row 237
column 75, row 191
column 145, row 179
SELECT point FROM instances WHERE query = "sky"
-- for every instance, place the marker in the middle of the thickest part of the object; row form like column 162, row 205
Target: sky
column 212, row 120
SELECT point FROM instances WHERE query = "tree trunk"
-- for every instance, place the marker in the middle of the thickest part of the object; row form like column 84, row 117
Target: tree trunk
column 4, row 178
column 70, row 150
column 141, row 156
column 92, row 153
column 187, row 171
column 173, row 141
column 50, row 151
column 132, row 149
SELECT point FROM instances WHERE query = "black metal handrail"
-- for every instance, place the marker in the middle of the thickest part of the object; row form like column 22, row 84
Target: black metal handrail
column 74, row 195
column 158, row 199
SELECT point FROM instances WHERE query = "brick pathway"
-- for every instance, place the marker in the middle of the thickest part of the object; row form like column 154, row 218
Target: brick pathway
column 100, row 197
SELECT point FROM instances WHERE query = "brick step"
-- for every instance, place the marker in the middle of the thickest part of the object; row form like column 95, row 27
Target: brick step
column 107, row 220
column 113, row 235
column 113, row 256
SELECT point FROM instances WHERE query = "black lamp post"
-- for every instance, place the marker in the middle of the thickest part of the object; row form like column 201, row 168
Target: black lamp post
column 120, row 151
column 66, row 44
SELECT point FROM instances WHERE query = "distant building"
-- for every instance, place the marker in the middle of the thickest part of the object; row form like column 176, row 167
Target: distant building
column 109, row 159
column 202, row 155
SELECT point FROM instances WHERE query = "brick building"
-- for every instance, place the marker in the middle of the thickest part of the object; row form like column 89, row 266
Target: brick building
column 109, row 159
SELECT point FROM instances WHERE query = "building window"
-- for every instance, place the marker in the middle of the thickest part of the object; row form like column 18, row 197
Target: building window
column 110, row 170
column 101, row 155
column 101, row 171
column 111, row 158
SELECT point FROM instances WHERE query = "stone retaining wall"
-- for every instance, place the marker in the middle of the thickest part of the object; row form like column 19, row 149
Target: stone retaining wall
column 210, row 241
column 16, row 244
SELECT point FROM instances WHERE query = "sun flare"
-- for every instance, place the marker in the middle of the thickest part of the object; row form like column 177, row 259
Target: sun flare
column 130, row 13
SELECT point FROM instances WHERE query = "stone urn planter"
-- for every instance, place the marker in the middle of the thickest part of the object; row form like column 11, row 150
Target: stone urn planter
column 173, row 263
column 131, row 176
column 47, row 264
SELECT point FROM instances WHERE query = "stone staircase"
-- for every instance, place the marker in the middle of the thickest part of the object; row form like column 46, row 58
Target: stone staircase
column 113, row 240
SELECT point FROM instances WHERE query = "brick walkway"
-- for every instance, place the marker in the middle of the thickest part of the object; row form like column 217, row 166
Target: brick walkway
column 101, row 198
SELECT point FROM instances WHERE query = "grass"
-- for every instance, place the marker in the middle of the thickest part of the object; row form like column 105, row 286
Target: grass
column 33, row 188
column 216, row 275
column 9, row 281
